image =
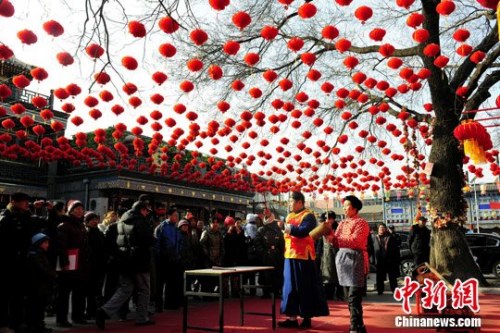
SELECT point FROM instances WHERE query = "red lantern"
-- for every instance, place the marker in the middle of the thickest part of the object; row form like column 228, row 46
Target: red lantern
column 308, row 58
column 327, row 87
column 194, row 65
column 17, row 108
column 231, row 47
column 241, row 20
column 314, row 75
column 64, row 58
column 117, row 109
column 295, row 44
column 179, row 108
column 414, row 20
column 168, row 25
column 343, row 2
column 157, row 98
column 102, row 78
column 269, row 75
column 218, row 4
column 129, row 63
column 255, row 92
column 223, row 106
column 5, row 52
column 350, row 62
column 106, row 96
column 4, row 93
column 26, row 121
column 167, row 50
column 27, row 37
column 363, row 13
column 39, row 73
column 405, row 3
column 343, row 45
column 136, row 29
column 431, row 50
column 285, row 84
column 68, row 107
column 90, row 101
column 95, row 114
column 39, row 130
column 39, row 102
column 307, row 10
column 441, row 61
column 237, row 85
column 56, row 126
column 8, row 124
column 477, row 57
column 134, row 101
column 6, row 8
column 420, row 35
column 394, row 63
column 386, row 50
column 445, row 7
column 159, row 77
column 269, row 32
column 21, row 81
column 251, row 59
column 77, row 121
column 359, row 77
column 129, row 88
column 198, row 37
column 46, row 114
column 464, row 50
column 461, row 35
column 215, row 72
column 53, row 28
column 186, row 86
column 377, row 34
column 329, row 32
column 94, row 50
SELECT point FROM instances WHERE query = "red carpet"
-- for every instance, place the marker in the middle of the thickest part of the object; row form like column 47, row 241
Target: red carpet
column 379, row 318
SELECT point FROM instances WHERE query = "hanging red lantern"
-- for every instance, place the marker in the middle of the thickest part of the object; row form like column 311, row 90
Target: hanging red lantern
column 8, row 124
column 94, row 50
column 129, row 88
column 179, row 108
column 431, row 50
column 475, row 138
column 308, row 58
column 168, row 25
column 295, row 44
column 445, row 7
column 241, row 20
column 56, row 125
column 231, row 47
column 377, row 34
column 6, row 8
column 194, row 64
column 329, row 32
column 464, row 50
column 327, row 87
column 237, row 85
column 68, row 107
column 462, row 91
column 405, row 3
column 441, row 61
column 141, row 120
column 363, row 13
column 167, row 50
column 95, row 114
column 17, row 108
column 39, row 102
column 106, row 96
column 129, row 63
column 61, row 93
column 343, row 45
column 386, row 50
column 157, row 98
column 117, row 109
column 269, row 75
column 102, row 78
column 269, row 32
column 218, row 4
column 394, row 63
column 134, row 101
column 215, row 72
column 307, row 10
column 285, row 84
column 491, row 4
column 251, row 59
column 5, row 52
column 64, row 58
column 53, row 28
column 27, row 121
column 21, row 81
column 359, row 77
column 77, row 121
column 159, row 77
column 186, row 86
column 461, row 35
column 255, row 92
column 136, row 29
column 198, row 37
column 27, row 37
column 344, row 2
column 90, row 101
column 314, row 75
column 39, row 73
column 46, row 114
column 414, row 20
column 477, row 57
column 39, row 130
column 4, row 93
column 420, row 35
column 350, row 62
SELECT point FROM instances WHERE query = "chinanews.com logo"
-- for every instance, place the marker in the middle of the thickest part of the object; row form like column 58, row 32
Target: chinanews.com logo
column 439, row 305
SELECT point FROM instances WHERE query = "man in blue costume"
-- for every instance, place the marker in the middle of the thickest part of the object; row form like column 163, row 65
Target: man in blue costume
column 302, row 289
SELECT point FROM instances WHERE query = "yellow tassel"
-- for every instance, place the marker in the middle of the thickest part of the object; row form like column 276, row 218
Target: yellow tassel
column 498, row 19
column 474, row 151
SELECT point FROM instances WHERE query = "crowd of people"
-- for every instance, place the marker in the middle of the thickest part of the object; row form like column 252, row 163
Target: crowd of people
column 139, row 253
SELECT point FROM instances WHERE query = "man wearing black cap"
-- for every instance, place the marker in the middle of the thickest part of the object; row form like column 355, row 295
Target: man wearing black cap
column 16, row 229
column 134, row 242
column 351, row 238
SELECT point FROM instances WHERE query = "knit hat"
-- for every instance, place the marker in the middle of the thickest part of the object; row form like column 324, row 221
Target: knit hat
column 181, row 223
column 39, row 239
column 72, row 204
column 229, row 221
column 89, row 216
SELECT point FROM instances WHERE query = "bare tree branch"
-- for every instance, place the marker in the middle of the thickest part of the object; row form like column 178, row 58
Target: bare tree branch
column 482, row 93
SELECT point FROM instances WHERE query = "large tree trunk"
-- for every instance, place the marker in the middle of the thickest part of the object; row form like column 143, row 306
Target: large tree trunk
column 450, row 254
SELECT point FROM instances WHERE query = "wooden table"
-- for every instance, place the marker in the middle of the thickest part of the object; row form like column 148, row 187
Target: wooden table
column 221, row 273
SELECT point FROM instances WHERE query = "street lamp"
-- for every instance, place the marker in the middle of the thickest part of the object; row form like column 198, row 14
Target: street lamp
column 86, row 182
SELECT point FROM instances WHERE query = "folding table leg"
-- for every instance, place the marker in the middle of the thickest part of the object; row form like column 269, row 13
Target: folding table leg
column 221, row 305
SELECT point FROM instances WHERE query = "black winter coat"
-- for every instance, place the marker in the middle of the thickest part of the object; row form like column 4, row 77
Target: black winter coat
column 73, row 235
column 40, row 274
column 419, row 240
